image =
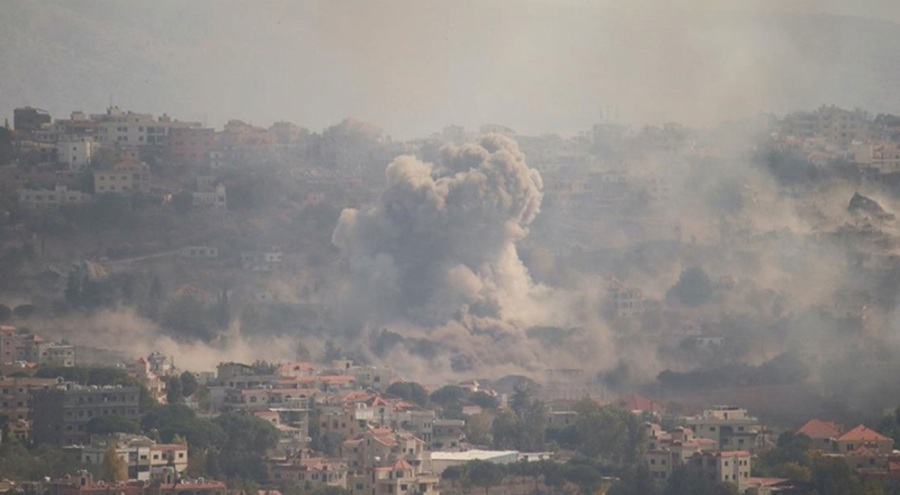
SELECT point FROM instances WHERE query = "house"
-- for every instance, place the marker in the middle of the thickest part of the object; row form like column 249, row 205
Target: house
column 863, row 436
column 823, row 434
column 639, row 404
column 15, row 401
column 312, row 472
column 448, row 433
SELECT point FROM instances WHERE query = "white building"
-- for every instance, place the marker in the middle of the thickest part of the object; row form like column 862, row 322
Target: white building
column 75, row 152
column 39, row 199
column 120, row 128
column 216, row 199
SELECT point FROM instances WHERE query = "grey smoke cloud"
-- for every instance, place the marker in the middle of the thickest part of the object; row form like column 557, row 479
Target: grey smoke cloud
column 440, row 241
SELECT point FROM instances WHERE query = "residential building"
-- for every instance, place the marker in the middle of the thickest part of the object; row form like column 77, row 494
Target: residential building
column 42, row 199
column 28, row 119
column 313, row 472
column 75, row 151
column 667, row 451
column 163, row 481
column 15, row 401
column 60, row 414
column 824, row 434
column 863, row 436
column 190, row 146
column 143, row 371
column 400, row 478
column 199, row 252
column 639, row 404
column 215, row 198
column 261, row 261
column 448, row 433
column 59, row 353
column 723, row 467
column 126, row 176
column 626, row 301
column 729, row 426
column 139, row 453
column 374, row 377
column 120, row 128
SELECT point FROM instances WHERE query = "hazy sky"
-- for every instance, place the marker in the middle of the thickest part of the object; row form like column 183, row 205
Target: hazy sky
column 413, row 67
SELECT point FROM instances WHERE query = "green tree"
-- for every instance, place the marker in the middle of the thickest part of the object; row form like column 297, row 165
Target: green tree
column 585, row 477
column 478, row 429
column 507, row 430
column 608, row 432
column 188, row 384
column 5, row 312
column 484, row 400
column 113, row 423
column 173, row 389
column 247, row 433
column 484, row 474
column 409, row 391
column 453, row 474
column 23, row 311
column 449, row 394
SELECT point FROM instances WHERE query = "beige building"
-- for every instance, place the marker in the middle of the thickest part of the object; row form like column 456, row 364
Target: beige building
column 729, row 426
column 125, row 177
column 310, row 472
column 724, row 467
column 139, row 453
column 863, row 436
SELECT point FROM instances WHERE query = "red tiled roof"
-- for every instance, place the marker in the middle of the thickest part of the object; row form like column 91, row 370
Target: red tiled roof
column 401, row 464
column 636, row 402
column 862, row 451
column 816, row 428
column 862, row 434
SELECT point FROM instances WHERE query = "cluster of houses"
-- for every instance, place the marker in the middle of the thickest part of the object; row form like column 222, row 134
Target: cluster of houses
column 722, row 443
column 19, row 348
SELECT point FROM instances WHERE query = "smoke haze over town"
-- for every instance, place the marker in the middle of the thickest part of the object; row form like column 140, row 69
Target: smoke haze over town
column 505, row 226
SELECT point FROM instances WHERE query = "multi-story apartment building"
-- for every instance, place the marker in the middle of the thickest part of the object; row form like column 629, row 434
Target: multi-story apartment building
column 15, row 401
column 56, row 354
column 121, row 128
column 190, row 146
column 729, row 426
column 60, row 414
column 126, row 176
column 75, row 151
